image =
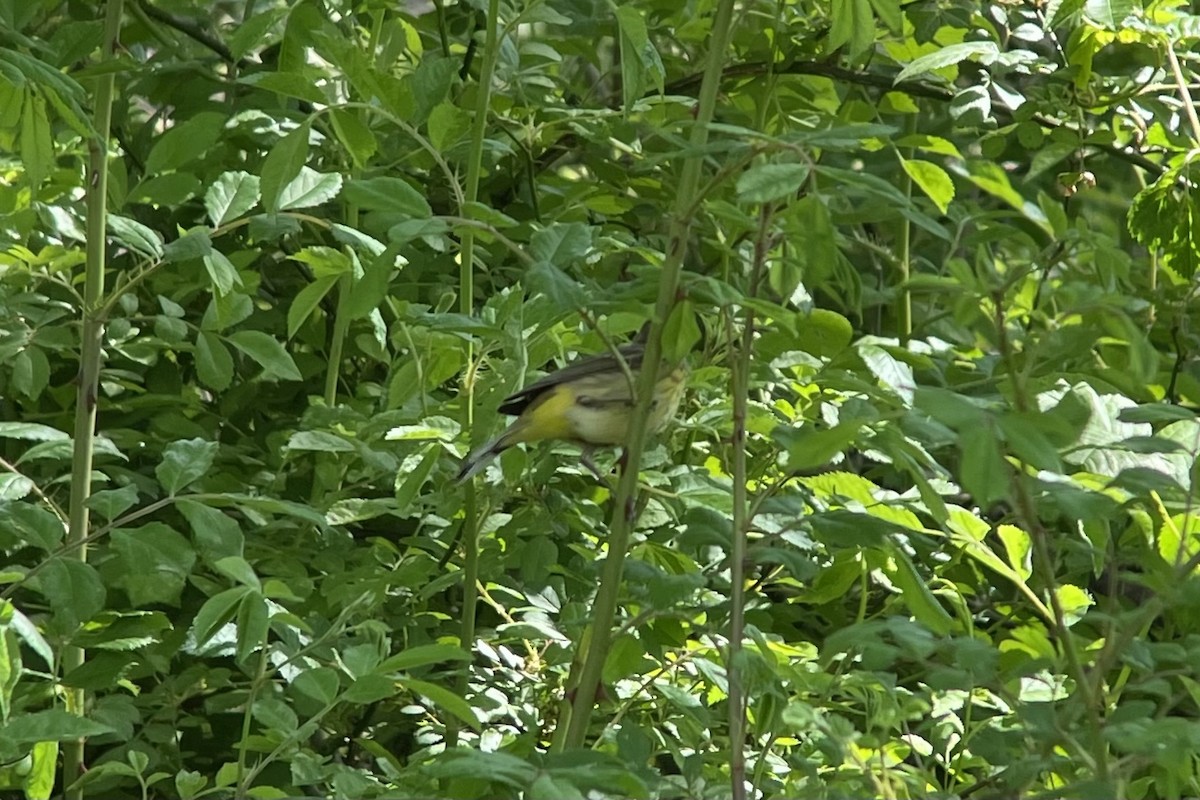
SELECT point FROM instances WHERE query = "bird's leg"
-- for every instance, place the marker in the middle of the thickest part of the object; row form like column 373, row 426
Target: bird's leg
column 585, row 458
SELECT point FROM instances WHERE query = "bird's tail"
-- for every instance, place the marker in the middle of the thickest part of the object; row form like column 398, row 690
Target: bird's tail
column 479, row 458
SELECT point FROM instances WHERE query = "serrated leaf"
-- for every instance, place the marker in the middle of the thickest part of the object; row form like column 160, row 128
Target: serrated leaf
column 932, row 180
column 388, row 194
column 185, row 461
column 309, row 188
column 230, row 196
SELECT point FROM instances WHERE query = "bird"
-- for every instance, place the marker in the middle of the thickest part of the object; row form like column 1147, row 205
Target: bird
column 588, row 402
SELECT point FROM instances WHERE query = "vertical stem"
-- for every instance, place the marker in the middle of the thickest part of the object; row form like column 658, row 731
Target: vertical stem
column 740, row 388
column 578, row 716
column 904, row 300
column 466, row 292
column 90, row 354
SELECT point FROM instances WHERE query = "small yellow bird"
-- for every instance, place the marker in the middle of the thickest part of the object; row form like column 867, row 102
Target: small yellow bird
column 588, row 402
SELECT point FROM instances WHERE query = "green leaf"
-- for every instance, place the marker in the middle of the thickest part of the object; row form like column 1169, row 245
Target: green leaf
column 371, row 289
column 307, row 300
column 448, row 124
column 288, row 84
column 320, row 441
column 253, row 619
column 354, row 135
column 444, row 699
column 73, row 589
column 183, row 462
column 51, row 725
column 853, row 23
column 31, row 431
column 932, row 180
column 135, row 235
column 230, row 196
column 214, row 364
column 186, row 141
column 983, row 471
column 388, row 194
column 157, row 561
column 222, row 272
column 32, row 525
column 193, row 244
column 282, row 165
column 268, row 353
column 641, row 65
column 422, row 656
column 216, row 612
column 320, row 683
column 112, row 503
column 948, row 56
column 1018, row 549
column 37, row 143
column 216, row 534
column 561, row 243
column 309, row 188
column 767, row 182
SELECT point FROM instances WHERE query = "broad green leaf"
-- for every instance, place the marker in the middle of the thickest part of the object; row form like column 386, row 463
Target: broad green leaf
column 561, row 244
column 282, row 165
column 1018, row 549
column 354, row 135
column 309, row 188
column 949, row 56
column 216, row 612
column 320, row 441
column 222, row 272
column 444, row 699
column 641, row 65
column 230, row 196
column 253, row 619
column 983, row 471
column 932, row 180
column 185, row 141
column 214, row 364
column 306, row 302
column 51, row 725
column 448, row 124
column 422, row 656
column 388, row 194
column 193, row 244
column 112, row 503
column 288, row 84
column 268, row 353
column 767, row 182
column 320, row 683
column 184, row 462
column 157, row 561
column 73, row 589
column 135, row 236
column 37, row 144
column 216, row 534
column 853, row 24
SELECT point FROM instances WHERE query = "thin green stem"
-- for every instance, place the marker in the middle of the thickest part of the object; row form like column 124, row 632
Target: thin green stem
column 90, row 356
column 466, row 289
column 740, row 389
column 904, row 321
column 585, row 682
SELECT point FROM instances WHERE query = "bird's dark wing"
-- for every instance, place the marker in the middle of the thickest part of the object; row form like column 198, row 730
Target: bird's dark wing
column 516, row 403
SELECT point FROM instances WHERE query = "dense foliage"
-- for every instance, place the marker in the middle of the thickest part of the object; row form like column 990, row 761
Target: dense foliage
column 929, row 507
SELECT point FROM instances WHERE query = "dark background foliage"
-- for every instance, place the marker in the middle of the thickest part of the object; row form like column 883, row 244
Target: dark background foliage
column 960, row 236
